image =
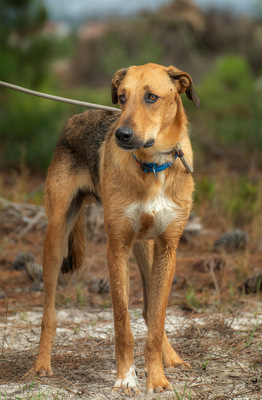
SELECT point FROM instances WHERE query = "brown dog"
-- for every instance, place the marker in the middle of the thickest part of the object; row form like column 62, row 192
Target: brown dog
column 126, row 161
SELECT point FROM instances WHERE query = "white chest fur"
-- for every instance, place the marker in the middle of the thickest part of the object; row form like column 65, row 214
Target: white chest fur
column 161, row 209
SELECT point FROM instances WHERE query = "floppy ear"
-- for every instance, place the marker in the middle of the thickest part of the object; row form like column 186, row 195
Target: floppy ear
column 184, row 83
column 116, row 80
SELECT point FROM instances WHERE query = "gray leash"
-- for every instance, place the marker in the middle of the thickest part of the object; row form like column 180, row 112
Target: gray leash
column 57, row 98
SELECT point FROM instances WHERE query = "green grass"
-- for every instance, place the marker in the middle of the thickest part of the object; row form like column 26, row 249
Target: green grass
column 186, row 395
column 249, row 340
column 80, row 296
column 31, row 394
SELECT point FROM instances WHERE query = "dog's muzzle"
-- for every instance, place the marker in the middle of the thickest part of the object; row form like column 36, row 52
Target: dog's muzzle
column 126, row 139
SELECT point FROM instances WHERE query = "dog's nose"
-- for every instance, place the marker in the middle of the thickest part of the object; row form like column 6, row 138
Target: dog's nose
column 124, row 134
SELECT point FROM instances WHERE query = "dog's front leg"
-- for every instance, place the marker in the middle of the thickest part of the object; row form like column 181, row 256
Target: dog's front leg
column 117, row 255
column 161, row 281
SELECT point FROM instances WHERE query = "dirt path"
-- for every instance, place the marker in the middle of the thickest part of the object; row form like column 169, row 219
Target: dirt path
column 225, row 354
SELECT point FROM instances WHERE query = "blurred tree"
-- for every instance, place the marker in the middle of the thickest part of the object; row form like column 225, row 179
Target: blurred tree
column 28, row 126
column 24, row 52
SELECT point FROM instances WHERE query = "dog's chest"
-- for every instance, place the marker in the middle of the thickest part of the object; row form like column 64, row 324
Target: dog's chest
column 151, row 218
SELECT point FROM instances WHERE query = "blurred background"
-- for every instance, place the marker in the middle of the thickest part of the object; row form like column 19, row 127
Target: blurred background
column 72, row 49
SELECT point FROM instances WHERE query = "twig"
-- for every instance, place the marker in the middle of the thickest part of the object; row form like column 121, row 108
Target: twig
column 18, row 206
column 215, row 280
column 29, row 215
column 6, row 313
column 32, row 223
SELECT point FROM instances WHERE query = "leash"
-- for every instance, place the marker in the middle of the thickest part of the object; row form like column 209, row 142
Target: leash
column 57, row 98
column 155, row 168
column 180, row 154
column 146, row 167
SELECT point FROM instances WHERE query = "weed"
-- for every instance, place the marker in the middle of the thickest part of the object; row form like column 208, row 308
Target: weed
column 204, row 365
column 30, row 389
column 184, row 395
column 191, row 298
column 205, row 190
column 106, row 304
column 136, row 313
column 76, row 329
column 41, row 395
column 231, row 291
column 80, row 296
column 24, row 316
column 249, row 340
column 207, row 363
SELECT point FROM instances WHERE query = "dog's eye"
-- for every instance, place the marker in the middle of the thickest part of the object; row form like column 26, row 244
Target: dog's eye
column 122, row 98
column 151, row 98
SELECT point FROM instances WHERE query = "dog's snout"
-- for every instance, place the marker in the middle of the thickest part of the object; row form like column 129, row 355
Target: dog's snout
column 124, row 134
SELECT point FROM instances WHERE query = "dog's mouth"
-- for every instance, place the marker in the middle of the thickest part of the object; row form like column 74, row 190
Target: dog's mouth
column 135, row 145
column 128, row 146
column 149, row 143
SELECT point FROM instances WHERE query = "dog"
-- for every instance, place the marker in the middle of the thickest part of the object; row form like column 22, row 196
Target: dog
column 127, row 161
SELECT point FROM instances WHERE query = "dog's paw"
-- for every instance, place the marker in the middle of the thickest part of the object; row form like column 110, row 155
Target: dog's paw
column 38, row 370
column 128, row 384
column 184, row 366
column 160, row 389
column 156, row 381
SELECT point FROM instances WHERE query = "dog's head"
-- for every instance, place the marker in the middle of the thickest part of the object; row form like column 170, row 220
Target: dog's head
column 149, row 97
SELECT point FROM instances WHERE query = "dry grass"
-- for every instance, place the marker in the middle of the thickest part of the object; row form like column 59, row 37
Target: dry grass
column 225, row 354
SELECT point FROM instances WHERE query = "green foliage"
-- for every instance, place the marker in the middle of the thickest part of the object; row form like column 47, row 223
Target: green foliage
column 231, row 105
column 205, row 189
column 28, row 130
column 239, row 200
column 24, row 53
column 27, row 124
column 230, row 120
column 236, row 198
column 80, row 296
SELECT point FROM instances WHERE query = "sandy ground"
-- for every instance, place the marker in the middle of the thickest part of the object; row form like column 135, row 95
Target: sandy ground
column 225, row 354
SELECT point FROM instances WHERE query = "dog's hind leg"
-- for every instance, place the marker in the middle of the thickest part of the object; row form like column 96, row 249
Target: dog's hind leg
column 143, row 253
column 63, row 240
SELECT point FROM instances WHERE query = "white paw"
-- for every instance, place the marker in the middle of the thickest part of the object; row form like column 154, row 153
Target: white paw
column 129, row 384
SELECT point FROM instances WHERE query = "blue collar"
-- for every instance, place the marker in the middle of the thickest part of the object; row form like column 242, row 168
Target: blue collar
column 152, row 167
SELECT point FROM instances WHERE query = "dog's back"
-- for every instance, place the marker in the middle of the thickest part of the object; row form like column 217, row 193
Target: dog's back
column 81, row 140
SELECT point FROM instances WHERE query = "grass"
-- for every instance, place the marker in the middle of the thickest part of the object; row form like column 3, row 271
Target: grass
column 184, row 395
column 249, row 340
column 230, row 200
column 207, row 363
column 42, row 394
column 80, row 296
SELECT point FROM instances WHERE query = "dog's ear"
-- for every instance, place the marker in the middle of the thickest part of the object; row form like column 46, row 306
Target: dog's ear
column 116, row 80
column 184, row 83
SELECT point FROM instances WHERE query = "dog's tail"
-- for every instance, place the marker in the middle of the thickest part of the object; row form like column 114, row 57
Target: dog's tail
column 76, row 245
